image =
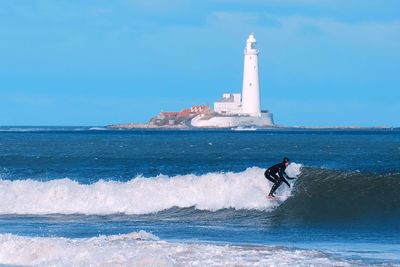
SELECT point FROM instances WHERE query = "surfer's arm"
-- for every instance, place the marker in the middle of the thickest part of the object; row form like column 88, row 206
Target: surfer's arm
column 287, row 176
column 285, row 181
column 282, row 176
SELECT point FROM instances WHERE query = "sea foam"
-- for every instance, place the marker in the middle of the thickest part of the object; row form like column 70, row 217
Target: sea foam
column 144, row 249
column 212, row 191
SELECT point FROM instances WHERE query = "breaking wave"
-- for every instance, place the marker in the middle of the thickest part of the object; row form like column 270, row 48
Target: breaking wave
column 212, row 191
column 144, row 249
column 318, row 194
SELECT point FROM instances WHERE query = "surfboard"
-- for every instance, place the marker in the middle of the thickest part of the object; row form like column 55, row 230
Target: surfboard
column 272, row 198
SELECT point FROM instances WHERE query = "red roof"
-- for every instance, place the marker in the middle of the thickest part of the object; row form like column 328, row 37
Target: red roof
column 185, row 112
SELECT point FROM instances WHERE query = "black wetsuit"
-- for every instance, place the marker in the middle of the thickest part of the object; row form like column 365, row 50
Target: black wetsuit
column 276, row 174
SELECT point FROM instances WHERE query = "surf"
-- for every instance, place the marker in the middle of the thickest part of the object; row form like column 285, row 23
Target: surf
column 145, row 249
column 211, row 191
column 318, row 195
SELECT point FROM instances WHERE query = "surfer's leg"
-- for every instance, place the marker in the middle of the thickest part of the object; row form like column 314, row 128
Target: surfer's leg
column 275, row 187
column 275, row 179
column 270, row 178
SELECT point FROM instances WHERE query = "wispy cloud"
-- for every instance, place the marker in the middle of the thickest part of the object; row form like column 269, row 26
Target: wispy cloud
column 386, row 32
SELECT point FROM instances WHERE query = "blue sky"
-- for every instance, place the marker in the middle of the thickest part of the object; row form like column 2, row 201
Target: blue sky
column 325, row 62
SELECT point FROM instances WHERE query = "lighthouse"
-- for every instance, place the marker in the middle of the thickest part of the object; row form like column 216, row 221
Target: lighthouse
column 236, row 110
column 251, row 86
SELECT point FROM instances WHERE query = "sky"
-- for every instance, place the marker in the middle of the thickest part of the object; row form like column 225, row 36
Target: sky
column 97, row 62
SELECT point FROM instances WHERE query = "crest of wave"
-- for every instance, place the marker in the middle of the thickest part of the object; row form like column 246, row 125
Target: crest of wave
column 212, row 191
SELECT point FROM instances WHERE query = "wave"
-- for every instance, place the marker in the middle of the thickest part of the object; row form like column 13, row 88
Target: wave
column 145, row 249
column 51, row 128
column 98, row 129
column 43, row 129
column 212, row 191
column 335, row 195
column 318, row 194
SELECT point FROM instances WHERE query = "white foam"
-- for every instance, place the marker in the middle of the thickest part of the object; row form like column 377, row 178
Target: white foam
column 40, row 129
column 212, row 191
column 293, row 170
column 98, row 129
column 144, row 249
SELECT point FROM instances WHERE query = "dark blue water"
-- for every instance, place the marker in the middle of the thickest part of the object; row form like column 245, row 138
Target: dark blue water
column 345, row 201
column 87, row 156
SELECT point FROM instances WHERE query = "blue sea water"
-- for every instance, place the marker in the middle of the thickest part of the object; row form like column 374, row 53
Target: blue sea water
column 178, row 198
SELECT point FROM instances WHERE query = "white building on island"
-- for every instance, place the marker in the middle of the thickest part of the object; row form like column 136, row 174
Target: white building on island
column 240, row 110
column 229, row 104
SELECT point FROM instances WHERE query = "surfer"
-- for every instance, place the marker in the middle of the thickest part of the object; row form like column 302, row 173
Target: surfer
column 277, row 175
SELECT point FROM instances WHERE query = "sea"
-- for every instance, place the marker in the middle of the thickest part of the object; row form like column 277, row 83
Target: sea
column 90, row 196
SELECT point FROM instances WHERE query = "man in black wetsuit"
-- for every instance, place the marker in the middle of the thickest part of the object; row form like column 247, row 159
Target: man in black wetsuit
column 277, row 175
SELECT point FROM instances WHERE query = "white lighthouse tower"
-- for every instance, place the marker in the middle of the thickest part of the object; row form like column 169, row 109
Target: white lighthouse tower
column 251, row 86
column 237, row 111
